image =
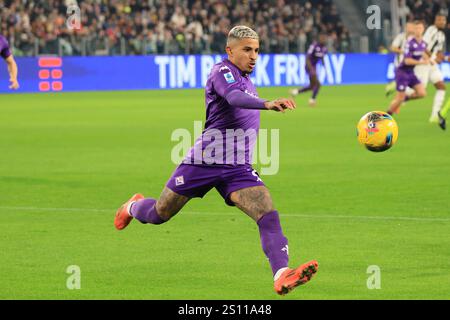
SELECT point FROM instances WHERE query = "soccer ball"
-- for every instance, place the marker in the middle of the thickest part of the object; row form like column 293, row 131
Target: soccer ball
column 377, row 131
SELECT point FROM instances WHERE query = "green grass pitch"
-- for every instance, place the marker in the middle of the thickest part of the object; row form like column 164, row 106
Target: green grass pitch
column 69, row 160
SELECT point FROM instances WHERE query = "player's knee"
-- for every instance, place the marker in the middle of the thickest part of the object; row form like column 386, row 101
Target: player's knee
column 440, row 86
column 422, row 94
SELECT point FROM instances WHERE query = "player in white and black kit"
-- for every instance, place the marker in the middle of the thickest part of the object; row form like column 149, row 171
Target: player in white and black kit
column 435, row 38
column 398, row 47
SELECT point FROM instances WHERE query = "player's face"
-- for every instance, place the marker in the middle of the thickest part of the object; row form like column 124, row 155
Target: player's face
column 243, row 53
column 409, row 29
column 419, row 30
column 440, row 22
column 323, row 39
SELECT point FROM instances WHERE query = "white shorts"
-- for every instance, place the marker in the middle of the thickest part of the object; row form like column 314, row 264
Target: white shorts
column 427, row 73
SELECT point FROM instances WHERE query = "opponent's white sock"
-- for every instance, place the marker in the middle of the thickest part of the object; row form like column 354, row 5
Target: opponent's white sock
column 438, row 102
column 278, row 274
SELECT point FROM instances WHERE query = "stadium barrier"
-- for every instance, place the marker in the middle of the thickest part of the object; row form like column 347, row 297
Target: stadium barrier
column 54, row 74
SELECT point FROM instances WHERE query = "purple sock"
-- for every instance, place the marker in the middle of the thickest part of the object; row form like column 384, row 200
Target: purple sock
column 145, row 211
column 315, row 92
column 274, row 243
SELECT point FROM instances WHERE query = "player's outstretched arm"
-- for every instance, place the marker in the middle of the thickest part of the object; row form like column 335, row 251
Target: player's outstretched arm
column 413, row 62
column 243, row 100
column 280, row 105
column 13, row 71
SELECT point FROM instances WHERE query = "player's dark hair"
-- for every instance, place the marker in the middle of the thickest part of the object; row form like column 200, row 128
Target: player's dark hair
column 441, row 13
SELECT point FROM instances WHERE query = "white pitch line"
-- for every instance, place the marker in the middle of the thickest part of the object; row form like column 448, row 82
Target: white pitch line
column 284, row 215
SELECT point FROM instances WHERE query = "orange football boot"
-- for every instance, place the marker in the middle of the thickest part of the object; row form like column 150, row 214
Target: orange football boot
column 292, row 278
column 123, row 217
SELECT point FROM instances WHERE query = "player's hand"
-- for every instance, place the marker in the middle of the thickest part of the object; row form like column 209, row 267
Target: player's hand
column 280, row 105
column 440, row 57
column 14, row 84
column 425, row 60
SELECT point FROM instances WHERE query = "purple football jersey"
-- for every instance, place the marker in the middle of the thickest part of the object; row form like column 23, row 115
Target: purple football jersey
column 316, row 52
column 5, row 52
column 415, row 50
column 230, row 132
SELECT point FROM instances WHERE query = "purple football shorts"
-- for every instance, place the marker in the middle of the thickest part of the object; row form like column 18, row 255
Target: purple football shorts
column 194, row 181
column 405, row 79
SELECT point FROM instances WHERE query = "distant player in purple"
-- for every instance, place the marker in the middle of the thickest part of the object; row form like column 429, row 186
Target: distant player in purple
column 415, row 54
column 316, row 53
column 232, row 108
column 5, row 53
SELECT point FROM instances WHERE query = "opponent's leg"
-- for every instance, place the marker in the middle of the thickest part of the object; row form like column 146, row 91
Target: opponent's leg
column 436, row 115
column 439, row 98
column 150, row 210
column 257, row 203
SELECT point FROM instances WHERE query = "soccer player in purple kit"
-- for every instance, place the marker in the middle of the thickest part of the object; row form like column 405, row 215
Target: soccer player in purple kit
column 5, row 53
column 316, row 53
column 415, row 54
column 232, row 103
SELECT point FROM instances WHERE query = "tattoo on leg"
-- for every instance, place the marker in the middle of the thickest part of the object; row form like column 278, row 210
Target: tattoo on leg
column 170, row 203
column 255, row 201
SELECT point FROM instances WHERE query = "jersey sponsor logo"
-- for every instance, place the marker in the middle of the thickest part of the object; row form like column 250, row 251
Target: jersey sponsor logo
column 229, row 77
column 179, row 181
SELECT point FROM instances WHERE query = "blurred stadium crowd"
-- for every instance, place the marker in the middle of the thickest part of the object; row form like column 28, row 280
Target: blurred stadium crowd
column 421, row 9
column 424, row 10
column 127, row 27
column 116, row 27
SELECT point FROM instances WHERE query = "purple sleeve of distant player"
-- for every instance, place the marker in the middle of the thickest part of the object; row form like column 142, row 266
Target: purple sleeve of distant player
column 5, row 52
column 229, row 88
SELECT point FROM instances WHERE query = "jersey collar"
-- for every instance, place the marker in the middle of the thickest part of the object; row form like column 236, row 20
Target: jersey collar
column 232, row 65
